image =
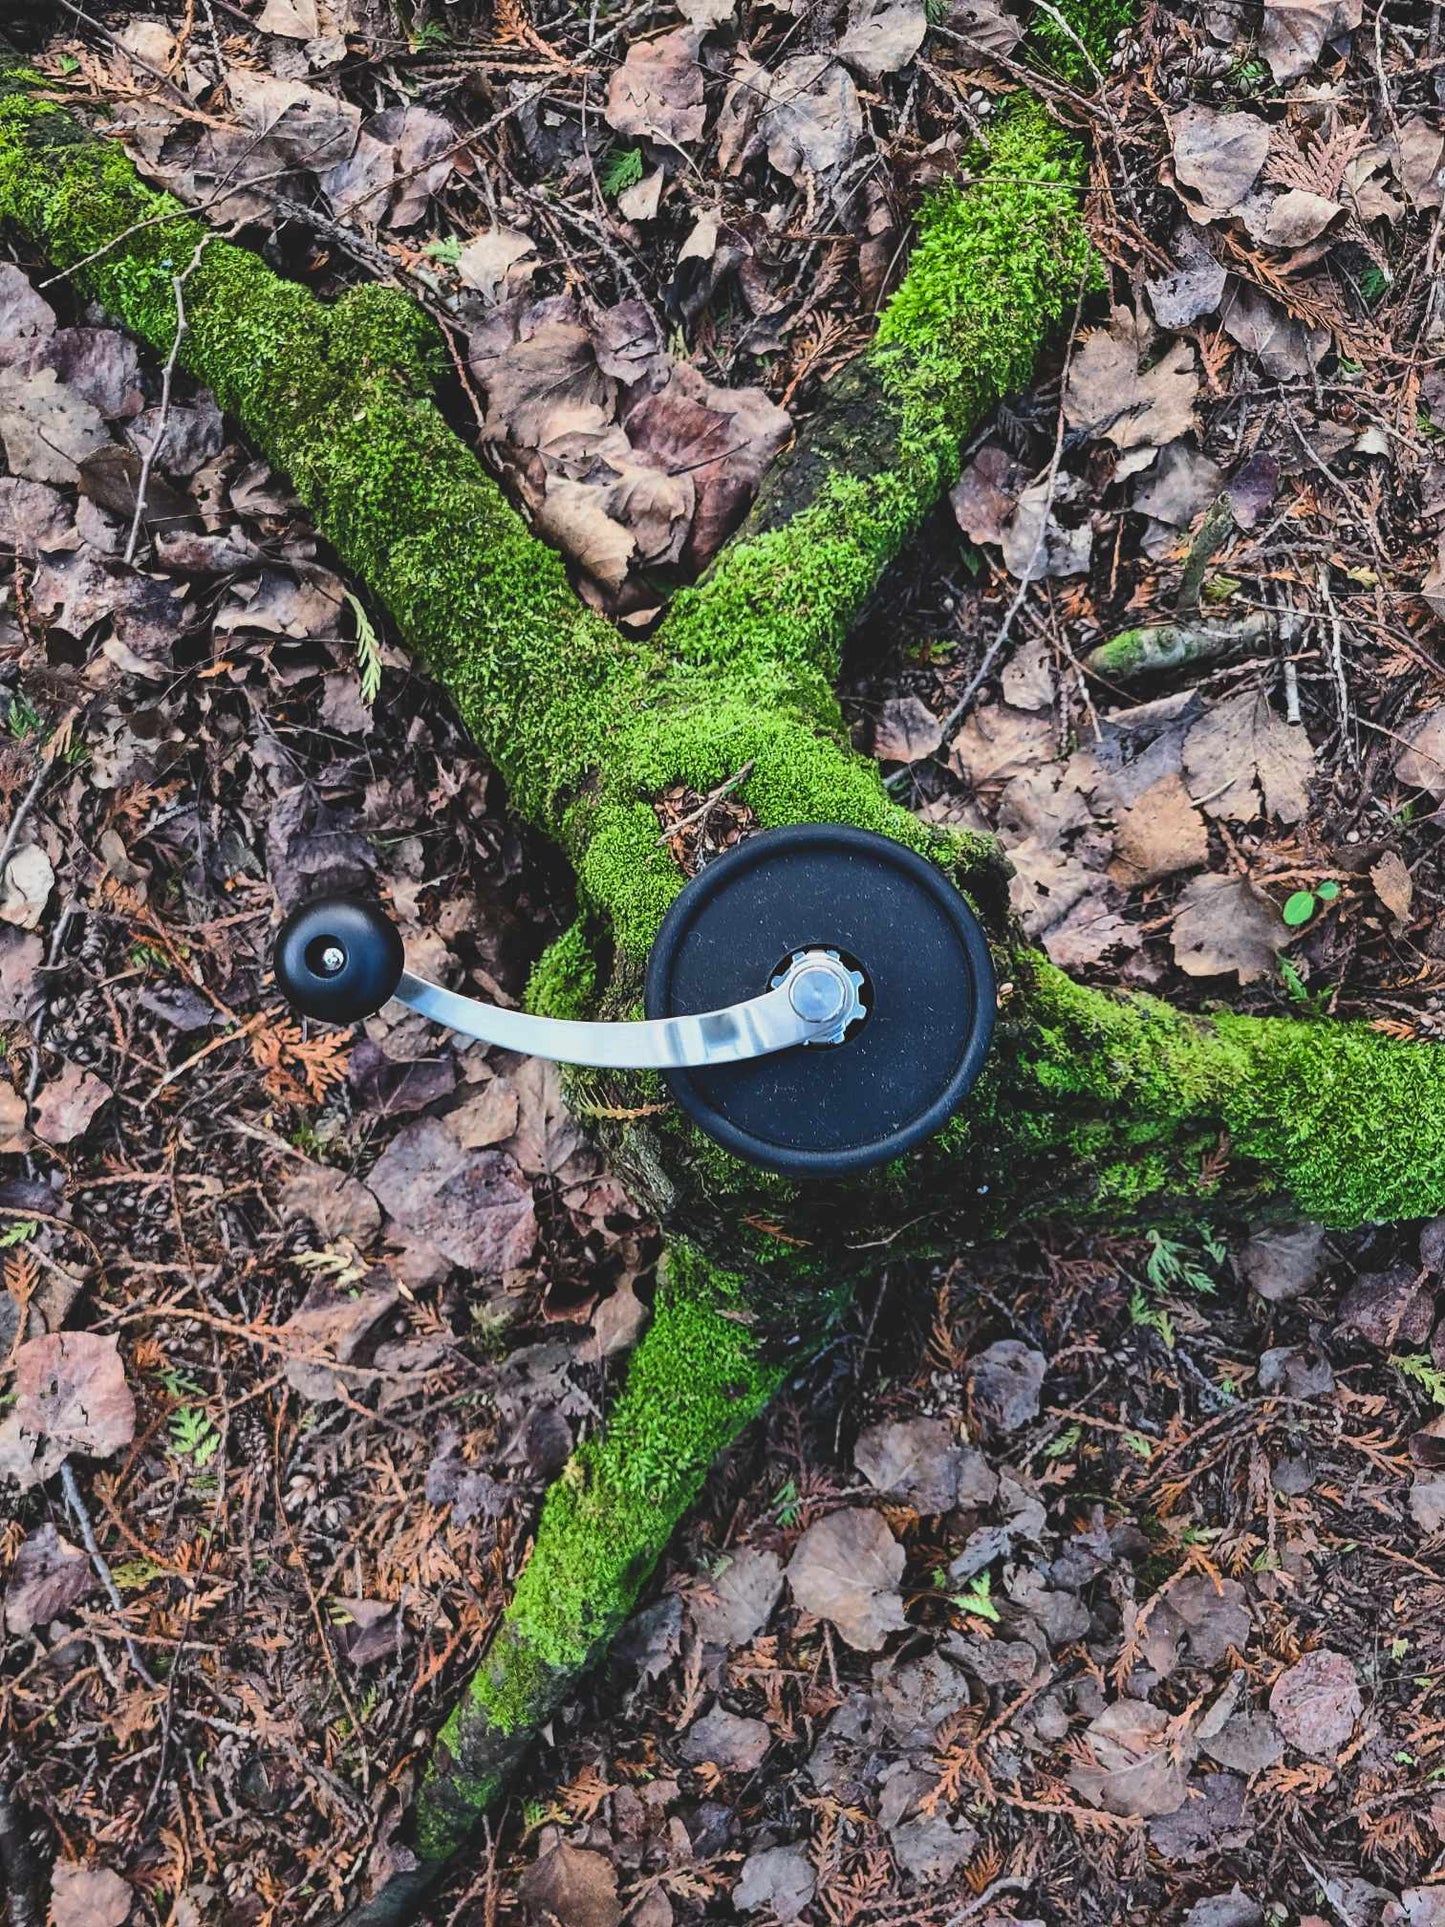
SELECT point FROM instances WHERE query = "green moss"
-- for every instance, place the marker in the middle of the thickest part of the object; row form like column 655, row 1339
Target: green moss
column 563, row 982
column 995, row 266
column 1116, row 1107
column 702, row 1372
column 1097, row 23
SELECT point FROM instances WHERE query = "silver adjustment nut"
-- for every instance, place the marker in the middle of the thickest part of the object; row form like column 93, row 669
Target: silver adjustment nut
column 824, row 992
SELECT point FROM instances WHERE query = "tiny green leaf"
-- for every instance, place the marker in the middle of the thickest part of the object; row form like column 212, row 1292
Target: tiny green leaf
column 1298, row 908
column 1327, row 891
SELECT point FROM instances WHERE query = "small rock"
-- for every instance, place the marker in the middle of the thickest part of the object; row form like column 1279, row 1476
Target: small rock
column 1234, row 1909
column 1388, row 1308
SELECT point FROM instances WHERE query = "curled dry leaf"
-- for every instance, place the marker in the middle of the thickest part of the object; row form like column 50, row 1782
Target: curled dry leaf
column 1242, row 756
column 846, row 1569
column 49, row 1576
column 1218, row 156
column 1224, row 924
column 1005, row 1384
column 29, row 878
column 737, row 1601
column 1394, row 885
column 88, row 1896
column 1159, row 835
column 569, row 1885
column 1135, row 1771
column 657, row 92
column 301, row 124
column 1421, row 764
column 496, row 263
column 1108, row 395
column 882, row 36
column 1194, row 288
column 66, row 1104
column 1296, row 218
column 1293, row 33
column 905, row 731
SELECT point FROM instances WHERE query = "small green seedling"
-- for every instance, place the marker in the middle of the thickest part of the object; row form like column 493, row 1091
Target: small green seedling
column 1301, row 905
column 978, row 1599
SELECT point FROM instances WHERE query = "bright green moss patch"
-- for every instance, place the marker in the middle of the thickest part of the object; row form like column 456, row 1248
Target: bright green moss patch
column 995, row 267
column 1116, row 1108
column 564, row 981
column 1097, row 23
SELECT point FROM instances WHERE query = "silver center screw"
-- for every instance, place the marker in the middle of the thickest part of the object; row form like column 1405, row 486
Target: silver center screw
column 817, row 994
column 333, row 960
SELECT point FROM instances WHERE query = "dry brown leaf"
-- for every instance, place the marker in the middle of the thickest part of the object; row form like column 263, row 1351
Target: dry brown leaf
column 882, row 36
column 301, row 124
column 1394, row 885
column 1159, row 835
column 1223, row 924
column 1242, row 757
column 67, row 1103
column 846, row 1569
column 49, row 1576
column 1296, row 218
column 1421, row 764
column 905, row 731
column 987, row 493
column 1218, row 156
column 70, row 1396
column 1286, row 348
column 1293, row 32
column 657, row 92
column 496, row 263
column 569, row 1886
column 1137, row 1772
column 1316, row 1704
column 88, row 1896
column 812, row 119
column 1107, row 395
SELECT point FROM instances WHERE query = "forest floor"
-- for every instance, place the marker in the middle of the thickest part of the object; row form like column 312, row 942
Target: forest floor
column 1122, row 1555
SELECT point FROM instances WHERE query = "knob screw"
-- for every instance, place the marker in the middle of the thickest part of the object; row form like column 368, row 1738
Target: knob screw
column 338, row 959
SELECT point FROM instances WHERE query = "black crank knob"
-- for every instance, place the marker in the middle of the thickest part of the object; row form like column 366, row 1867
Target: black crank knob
column 338, row 959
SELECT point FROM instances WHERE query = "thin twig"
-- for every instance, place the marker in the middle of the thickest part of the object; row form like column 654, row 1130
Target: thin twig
column 22, row 810
column 705, row 807
column 103, row 1573
column 178, row 288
